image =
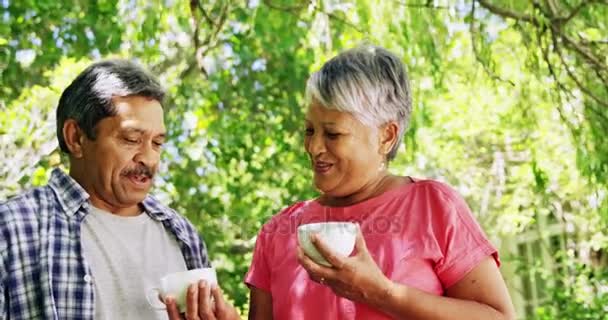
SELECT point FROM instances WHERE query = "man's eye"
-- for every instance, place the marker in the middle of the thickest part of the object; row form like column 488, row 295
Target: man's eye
column 158, row 144
column 128, row 140
column 332, row 135
column 309, row 131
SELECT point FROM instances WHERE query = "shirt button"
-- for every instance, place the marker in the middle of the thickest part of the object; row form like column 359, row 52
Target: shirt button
column 88, row 279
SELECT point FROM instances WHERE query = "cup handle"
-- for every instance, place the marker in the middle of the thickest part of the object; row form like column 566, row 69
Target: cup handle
column 155, row 306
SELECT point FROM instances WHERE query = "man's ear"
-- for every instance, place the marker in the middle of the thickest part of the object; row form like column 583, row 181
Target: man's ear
column 388, row 137
column 74, row 137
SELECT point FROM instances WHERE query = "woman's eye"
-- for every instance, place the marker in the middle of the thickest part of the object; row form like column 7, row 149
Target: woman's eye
column 131, row 140
column 158, row 144
column 332, row 135
column 309, row 131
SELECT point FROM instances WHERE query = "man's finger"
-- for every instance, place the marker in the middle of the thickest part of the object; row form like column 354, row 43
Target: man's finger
column 218, row 297
column 192, row 302
column 172, row 310
column 205, row 310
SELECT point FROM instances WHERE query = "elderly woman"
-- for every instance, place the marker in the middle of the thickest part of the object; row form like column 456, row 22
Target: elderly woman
column 419, row 252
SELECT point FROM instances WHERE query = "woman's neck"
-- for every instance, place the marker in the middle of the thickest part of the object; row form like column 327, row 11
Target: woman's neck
column 372, row 189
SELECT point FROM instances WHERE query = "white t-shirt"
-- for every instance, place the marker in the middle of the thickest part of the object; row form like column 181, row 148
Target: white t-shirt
column 127, row 257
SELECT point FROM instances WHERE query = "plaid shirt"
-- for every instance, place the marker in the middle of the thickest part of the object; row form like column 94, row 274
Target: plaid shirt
column 43, row 273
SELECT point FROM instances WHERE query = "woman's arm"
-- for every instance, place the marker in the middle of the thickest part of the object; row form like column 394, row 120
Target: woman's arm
column 260, row 304
column 481, row 294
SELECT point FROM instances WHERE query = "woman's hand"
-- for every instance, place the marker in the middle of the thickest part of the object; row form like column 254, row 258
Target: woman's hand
column 201, row 306
column 356, row 278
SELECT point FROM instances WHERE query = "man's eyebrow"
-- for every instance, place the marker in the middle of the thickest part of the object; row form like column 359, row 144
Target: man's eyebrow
column 129, row 130
column 133, row 130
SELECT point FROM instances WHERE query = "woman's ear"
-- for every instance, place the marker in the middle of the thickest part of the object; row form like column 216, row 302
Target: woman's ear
column 73, row 137
column 388, row 137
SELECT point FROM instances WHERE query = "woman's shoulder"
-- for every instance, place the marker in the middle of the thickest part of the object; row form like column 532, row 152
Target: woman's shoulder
column 435, row 188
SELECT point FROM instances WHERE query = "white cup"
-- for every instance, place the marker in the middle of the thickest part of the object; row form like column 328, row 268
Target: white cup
column 338, row 236
column 176, row 285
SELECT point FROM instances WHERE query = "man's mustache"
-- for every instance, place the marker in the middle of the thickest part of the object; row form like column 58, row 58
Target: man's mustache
column 140, row 170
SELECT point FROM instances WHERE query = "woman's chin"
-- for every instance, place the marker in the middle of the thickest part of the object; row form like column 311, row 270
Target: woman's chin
column 329, row 190
column 323, row 185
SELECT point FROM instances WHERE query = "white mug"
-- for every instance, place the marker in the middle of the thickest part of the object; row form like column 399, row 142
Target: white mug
column 338, row 236
column 176, row 285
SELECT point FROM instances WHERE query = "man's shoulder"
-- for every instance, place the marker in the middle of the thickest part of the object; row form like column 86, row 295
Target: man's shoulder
column 27, row 203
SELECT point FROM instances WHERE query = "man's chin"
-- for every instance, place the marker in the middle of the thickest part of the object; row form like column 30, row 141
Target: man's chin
column 135, row 196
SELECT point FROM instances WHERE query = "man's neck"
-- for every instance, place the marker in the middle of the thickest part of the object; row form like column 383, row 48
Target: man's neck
column 98, row 202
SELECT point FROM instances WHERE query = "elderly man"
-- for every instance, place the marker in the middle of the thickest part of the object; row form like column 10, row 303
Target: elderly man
column 91, row 243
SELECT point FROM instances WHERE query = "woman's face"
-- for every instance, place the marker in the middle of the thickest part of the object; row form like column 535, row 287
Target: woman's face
column 345, row 154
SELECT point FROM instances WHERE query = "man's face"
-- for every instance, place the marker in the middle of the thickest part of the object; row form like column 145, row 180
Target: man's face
column 121, row 162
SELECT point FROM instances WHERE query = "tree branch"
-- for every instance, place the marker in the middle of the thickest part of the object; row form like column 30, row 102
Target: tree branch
column 558, row 83
column 341, row 20
column 556, row 27
column 293, row 8
column 576, row 10
column 296, row 8
column 572, row 75
column 194, row 7
column 421, row 5
column 204, row 13
column 508, row 13
column 472, row 31
column 577, row 47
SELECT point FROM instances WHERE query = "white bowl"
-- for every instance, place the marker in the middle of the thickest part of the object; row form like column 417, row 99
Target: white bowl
column 338, row 236
column 176, row 285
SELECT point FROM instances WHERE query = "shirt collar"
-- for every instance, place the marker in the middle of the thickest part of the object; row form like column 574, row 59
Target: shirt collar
column 70, row 193
column 157, row 210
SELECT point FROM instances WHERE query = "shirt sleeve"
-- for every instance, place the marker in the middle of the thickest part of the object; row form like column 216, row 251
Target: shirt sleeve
column 3, row 254
column 460, row 238
column 3, row 310
column 259, row 272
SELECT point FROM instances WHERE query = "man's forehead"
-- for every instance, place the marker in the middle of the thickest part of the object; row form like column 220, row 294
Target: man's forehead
column 137, row 126
column 121, row 124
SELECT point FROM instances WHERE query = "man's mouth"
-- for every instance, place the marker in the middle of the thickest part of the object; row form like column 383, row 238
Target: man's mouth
column 140, row 180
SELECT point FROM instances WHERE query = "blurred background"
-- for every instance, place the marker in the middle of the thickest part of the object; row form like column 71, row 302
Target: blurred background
column 510, row 108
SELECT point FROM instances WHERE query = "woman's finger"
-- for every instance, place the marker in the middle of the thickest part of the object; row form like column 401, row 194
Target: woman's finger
column 329, row 255
column 316, row 272
column 360, row 245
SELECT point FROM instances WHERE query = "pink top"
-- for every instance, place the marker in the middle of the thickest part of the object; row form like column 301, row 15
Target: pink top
column 421, row 234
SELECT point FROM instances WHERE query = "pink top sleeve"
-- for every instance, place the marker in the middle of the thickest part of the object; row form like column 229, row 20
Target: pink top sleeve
column 459, row 236
column 259, row 273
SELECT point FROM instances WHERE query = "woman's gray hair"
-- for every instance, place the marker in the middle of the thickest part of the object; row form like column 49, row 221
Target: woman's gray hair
column 88, row 99
column 368, row 82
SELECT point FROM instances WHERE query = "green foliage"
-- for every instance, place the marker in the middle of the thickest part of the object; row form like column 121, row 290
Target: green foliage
column 583, row 296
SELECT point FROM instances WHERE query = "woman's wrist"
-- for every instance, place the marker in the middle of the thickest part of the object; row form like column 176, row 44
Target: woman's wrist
column 389, row 292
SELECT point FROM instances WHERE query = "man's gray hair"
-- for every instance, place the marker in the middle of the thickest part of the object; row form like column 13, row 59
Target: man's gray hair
column 368, row 82
column 88, row 99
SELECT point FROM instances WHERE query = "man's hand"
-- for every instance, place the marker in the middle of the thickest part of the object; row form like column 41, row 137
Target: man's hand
column 203, row 302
